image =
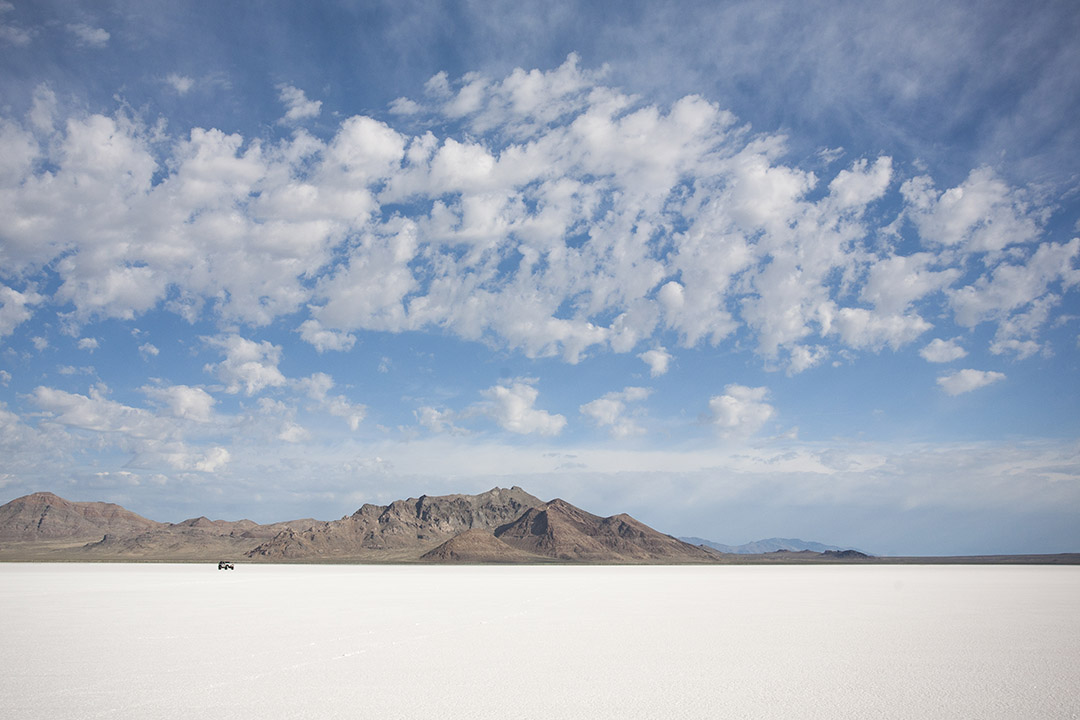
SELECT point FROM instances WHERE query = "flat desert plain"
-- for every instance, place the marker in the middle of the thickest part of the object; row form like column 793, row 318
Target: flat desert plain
column 166, row 641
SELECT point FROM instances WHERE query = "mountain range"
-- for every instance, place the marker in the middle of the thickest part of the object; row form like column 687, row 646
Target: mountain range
column 501, row 525
column 498, row 526
column 768, row 545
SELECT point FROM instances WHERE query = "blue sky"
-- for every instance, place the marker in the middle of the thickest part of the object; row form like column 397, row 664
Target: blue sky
column 739, row 269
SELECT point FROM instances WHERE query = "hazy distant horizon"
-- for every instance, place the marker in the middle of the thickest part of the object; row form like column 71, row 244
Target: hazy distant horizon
column 740, row 270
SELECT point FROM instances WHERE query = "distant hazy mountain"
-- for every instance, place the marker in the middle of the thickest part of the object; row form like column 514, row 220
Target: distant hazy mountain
column 767, row 545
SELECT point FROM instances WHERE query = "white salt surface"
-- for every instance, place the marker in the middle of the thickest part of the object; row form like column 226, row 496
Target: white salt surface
column 165, row 641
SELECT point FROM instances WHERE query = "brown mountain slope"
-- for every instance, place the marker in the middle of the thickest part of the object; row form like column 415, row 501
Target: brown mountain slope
column 195, row 539
column 45, row 516
column 402, row 530
column 564, row 532
column 478, row 546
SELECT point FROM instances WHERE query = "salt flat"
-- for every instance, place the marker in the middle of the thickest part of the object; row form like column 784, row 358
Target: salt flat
column 164, row 641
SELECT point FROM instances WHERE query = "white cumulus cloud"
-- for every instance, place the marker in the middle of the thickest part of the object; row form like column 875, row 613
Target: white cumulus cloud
column 512, row 407
column 741, row 410
column 312, row 332
column 862, row 184
column 966, row 380
column 15, row 308
column 297, row 105
column 1013, row 286
column 865, row 329
column 658, row 360
column 248, row 366
column 555, row 216
column 943, row 351
column 982, row 214
column 183, row 401
column 609, row 411
column 213, row 460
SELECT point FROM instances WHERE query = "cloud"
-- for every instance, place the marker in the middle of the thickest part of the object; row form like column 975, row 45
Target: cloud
column 312, row 332
column 804, row 357
column 437, row 421
column 97, row 413
column 249, row 366
column 368, row 290
column 983, row 214
column 554, row 215
column 89, row 36
column 966, row 380
column 607, row 411
column 405, row 106
column 861, row 185
column 317, row 387
column 10, row 34
column 895, row 282
column 43, row 111
column 658, row 360
column 183, row 402
column 512, row 408
column 148, row 350
column 741, row 410
column 293, row 433
column 14, row 307
column 864, row 329
column 88, row 343
column 1010, row 287
column 180, row 83
column 1017, row 334
column 1020, row 349
column 16, row 36
column 213, row 460
column 352, row 413
column 298, row 107
column 943, row 351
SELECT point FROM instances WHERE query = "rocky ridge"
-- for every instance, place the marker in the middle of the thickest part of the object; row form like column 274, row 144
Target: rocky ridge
column 404, row 529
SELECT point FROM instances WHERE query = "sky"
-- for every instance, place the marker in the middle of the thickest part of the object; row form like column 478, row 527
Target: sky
column 739, row 269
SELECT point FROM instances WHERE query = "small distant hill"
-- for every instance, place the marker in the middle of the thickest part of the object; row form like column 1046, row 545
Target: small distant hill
column 194, row 539
column 768, row 545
